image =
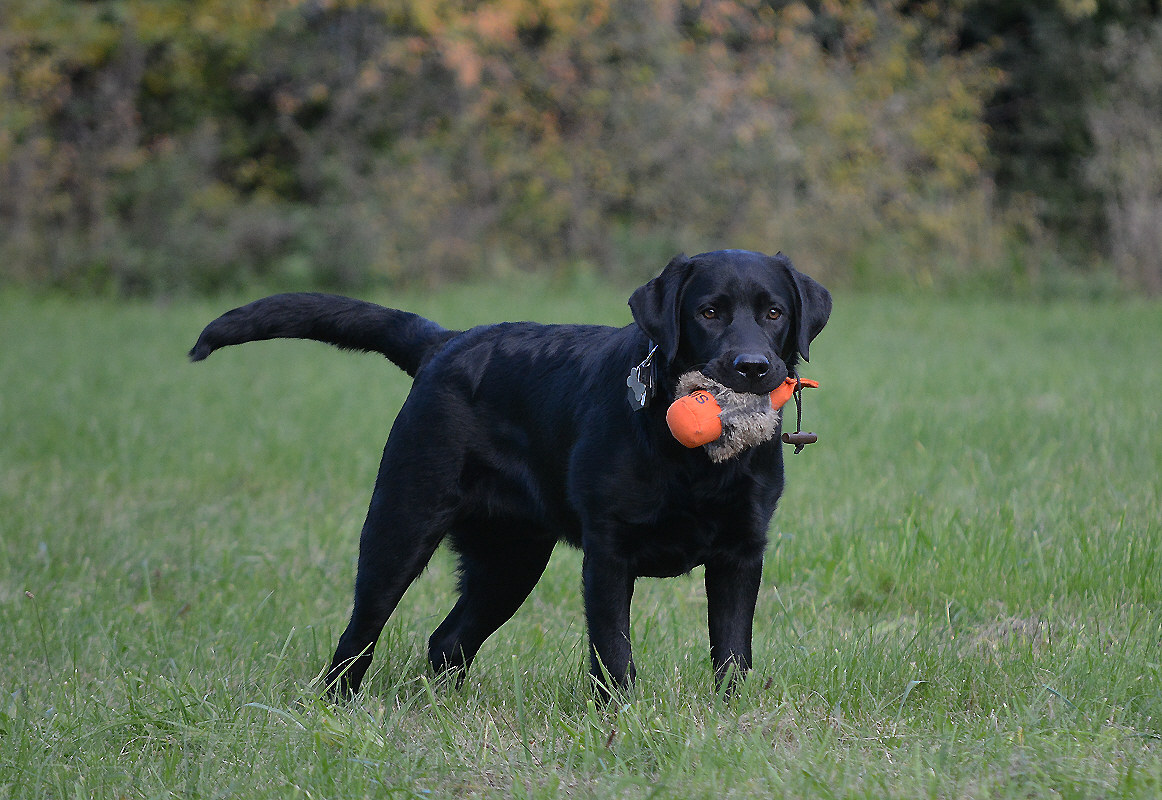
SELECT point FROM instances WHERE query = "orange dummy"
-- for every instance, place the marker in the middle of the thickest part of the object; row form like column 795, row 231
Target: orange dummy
column 694, row 421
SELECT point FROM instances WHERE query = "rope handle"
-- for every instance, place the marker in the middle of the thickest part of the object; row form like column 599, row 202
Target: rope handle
column 799, row 438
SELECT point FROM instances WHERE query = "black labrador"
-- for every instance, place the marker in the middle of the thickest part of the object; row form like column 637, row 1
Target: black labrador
column 518, row 435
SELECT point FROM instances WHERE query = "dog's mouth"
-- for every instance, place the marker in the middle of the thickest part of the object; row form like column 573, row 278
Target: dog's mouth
column 736, row 381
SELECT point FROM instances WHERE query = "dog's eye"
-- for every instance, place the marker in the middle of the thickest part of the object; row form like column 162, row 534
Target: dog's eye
column 774, row 313
column 709, row 313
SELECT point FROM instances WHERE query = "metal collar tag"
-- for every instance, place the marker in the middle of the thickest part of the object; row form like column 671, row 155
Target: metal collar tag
column 641, row 382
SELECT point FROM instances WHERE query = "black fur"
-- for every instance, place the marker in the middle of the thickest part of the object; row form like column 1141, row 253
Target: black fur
column 405, row 338
column 518, row 435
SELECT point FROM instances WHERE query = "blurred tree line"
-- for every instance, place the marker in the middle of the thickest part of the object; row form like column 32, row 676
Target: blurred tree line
column 158, row 146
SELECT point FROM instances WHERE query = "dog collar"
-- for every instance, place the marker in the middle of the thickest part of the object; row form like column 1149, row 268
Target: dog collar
column 641, row 382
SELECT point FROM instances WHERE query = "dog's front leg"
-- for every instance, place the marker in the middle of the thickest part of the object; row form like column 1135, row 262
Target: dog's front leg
column 732, row 589
column 608, row 586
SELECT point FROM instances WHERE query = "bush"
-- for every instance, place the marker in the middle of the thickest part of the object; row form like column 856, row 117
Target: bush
column 1126, row 165
column 170, row 146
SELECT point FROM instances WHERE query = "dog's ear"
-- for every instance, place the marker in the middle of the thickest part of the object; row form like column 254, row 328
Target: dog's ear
column 814, row 305
column 656, row 306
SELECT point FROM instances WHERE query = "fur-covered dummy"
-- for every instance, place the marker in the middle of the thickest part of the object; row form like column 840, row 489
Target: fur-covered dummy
column 747, row 419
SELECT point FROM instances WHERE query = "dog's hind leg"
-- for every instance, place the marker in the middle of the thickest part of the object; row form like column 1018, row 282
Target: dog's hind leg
column 402, row 531
column 497, row 573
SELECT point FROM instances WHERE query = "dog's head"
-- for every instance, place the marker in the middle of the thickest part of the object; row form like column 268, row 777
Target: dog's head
column 741, row 318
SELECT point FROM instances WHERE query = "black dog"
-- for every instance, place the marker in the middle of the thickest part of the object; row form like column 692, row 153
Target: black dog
column 518, row 435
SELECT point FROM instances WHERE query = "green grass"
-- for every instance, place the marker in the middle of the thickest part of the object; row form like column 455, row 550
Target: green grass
column 962, row 598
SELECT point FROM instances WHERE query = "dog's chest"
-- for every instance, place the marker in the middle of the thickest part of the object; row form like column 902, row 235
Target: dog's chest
column 689, row 529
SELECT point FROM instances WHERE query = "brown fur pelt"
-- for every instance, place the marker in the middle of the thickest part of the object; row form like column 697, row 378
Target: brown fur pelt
column 747, row 419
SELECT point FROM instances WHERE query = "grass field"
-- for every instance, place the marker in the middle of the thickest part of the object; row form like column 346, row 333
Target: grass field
column 962, row 596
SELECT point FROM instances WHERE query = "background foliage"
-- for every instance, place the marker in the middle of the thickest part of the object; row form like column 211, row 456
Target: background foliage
column 160, row 146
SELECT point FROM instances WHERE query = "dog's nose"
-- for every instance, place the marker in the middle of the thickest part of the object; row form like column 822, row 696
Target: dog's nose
column 751, row 366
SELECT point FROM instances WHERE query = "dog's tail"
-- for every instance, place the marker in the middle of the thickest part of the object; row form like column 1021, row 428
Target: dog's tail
column 406, row 339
